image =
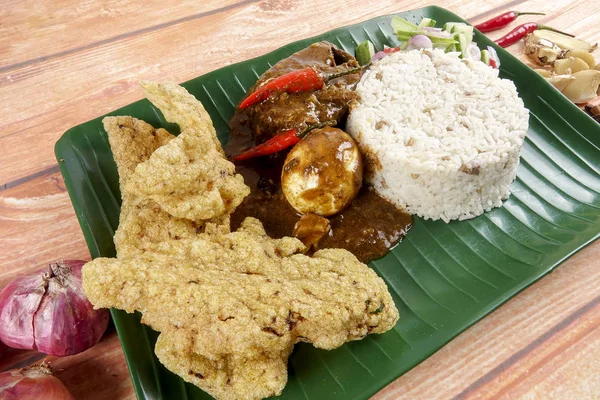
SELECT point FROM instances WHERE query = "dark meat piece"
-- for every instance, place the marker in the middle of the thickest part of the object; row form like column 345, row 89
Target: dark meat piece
column 310, row 229
column 297, row 110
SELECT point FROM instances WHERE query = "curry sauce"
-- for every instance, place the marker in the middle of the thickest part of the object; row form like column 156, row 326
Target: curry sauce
column 370, row 225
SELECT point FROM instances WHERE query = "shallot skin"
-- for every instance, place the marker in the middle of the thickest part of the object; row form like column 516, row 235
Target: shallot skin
column 35, row 382
column 48, row 311
column 20, row 300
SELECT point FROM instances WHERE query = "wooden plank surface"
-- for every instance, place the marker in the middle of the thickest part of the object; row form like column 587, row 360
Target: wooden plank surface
column 63, row 64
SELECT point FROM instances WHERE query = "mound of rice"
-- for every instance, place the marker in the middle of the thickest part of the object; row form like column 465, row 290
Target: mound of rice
column 441, row 135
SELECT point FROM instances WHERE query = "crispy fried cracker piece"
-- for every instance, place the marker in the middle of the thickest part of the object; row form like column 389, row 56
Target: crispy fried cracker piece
column 143, row 225
column 189, row 177
column 132, row 141
column 232, row 305
column 261, row 376
column 181, row 108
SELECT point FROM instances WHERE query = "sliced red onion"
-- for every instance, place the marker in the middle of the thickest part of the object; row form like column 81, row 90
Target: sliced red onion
column 431, row 29
column 34, row 382
column 48, row 311
column 378, row 56
column 419, row 42
column 494, row 56
column 2, row 348
column 438, row 34
column 473, row 52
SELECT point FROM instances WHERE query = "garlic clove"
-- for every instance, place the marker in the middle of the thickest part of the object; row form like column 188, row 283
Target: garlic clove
column 573, row 64
column 560, row 81
column 584, row 87
column 561, row 41
column 543, row 72
column 542, row 55
column 585, row 56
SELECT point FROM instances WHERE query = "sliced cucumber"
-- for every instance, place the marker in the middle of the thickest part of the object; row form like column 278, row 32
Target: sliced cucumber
column 485, row 57
column 364, row 52
column 439, row 39
column 464, row 28
column 405, row 36
column 449, row 25
column 462, row 44
column 441, row 43
column 426, row 22
column 401, row 24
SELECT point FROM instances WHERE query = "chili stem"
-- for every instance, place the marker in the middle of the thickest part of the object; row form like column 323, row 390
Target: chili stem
column 519, row 13
column 316, row 126
column 346, row 72
column 548, row 28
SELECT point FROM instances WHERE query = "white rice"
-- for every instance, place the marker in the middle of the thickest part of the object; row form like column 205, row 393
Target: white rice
column 442, row 135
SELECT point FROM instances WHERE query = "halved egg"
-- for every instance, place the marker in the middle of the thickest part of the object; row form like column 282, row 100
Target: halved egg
column 323, row 172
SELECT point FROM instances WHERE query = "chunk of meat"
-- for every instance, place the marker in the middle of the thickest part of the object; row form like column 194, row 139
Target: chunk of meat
column 297, row 110
column 310, row 229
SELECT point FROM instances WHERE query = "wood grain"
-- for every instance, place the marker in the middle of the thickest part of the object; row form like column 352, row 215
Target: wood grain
column 37, row 225
column 118, row 65
column 512, row 348
column 94, row 22
column 62, row 65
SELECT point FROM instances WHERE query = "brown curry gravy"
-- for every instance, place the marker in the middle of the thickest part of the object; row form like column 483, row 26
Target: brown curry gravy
column 369, row 227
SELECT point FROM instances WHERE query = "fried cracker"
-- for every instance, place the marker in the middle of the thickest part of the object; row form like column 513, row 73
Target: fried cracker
column 143, row 225
column 132, row 141
column 230, row 306
column 189, row 177
column 181, row 108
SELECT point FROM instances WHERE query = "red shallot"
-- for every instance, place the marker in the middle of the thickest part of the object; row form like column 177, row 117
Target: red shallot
column 34, row 382
column 48, row 311
column 419, row 42
column 378, row 56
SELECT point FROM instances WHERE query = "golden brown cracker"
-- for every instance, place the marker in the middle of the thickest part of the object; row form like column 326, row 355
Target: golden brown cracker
column 189, row 177
column 143, row 225
column 241, row 299
column 132, row 141
column 181, row 108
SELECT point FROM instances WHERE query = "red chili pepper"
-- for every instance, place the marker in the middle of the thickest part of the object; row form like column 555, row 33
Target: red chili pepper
column 280, row 141
column 523, row 30
column 302, row 80
column 502, row 20
column 390, row 50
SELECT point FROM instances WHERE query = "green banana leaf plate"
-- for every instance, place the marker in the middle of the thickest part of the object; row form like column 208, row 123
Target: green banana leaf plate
column 443, row 277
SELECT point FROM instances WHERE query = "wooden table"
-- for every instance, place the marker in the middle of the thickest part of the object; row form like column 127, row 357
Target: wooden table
column 63, row 63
